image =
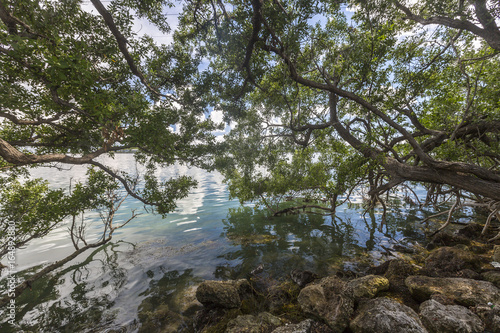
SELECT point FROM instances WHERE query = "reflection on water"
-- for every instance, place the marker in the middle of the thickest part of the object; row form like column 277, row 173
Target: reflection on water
column 313, row 242
column 140, row 277
column 75, row 298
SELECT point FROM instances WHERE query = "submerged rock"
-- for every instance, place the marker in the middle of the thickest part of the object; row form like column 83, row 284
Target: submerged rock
column 439, row 318
column 186, row 301
column 368, row 286
column 161, row 319
column 263, row 322
column 246, row 239
column 384, row 315
column 302, row 278
column 462, row 291
column 223, row 294
column 282, row 297
column 330, row 300
column 213, row 319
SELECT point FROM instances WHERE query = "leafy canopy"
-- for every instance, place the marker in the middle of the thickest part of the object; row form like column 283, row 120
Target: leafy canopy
column 76, row 85
column 327, row 98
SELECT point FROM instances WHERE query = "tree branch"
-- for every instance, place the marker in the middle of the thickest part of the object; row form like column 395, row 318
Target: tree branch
column 490, row 33
column 122, row 45
column 14, row 156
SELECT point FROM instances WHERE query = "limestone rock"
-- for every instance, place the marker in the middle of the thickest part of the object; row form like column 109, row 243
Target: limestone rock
column 447, row 261
column 493, row 277
column 384, row 315
column 224, row 294
column 439, row 318
column 302, row 327
column 263, row 322
column 490, row 315
column 368, row 286
column 462, row 291
column 329, row 299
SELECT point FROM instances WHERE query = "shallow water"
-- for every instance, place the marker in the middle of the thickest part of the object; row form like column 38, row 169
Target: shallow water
column 152, row 260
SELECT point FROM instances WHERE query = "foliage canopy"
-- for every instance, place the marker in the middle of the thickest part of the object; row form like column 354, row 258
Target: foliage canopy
column 377, row 95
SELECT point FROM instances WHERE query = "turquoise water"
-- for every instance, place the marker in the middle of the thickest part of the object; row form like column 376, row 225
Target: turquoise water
column 153, row 260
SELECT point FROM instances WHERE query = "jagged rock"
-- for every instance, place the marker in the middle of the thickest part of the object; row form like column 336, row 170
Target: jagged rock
column 384, row 315
column 496, row 253
column 224, row 294
column 438, row 318
column 447, row 261
column 263, row 322
column 368, row 286
column 329, row 299
column 490, row 315
column 493, row 277
column 462, row 291
column 302, row 327
column 302, row 278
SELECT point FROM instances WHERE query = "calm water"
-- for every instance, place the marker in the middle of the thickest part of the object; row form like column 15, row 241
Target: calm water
column 153, row 260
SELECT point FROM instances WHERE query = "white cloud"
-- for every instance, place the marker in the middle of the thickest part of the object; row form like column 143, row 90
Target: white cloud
column 217, row 116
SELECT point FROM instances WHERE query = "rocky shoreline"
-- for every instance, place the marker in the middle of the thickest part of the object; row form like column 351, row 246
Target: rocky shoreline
column 453, row 285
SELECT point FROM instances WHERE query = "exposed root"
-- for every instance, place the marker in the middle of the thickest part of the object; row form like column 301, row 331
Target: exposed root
column 488, row 221
column 450, row 213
